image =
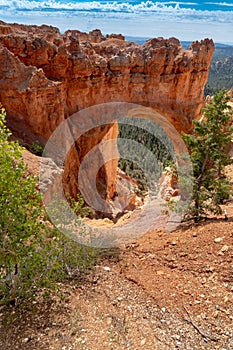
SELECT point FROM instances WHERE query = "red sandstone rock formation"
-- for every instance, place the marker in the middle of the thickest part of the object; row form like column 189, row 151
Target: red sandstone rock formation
column 46, row 76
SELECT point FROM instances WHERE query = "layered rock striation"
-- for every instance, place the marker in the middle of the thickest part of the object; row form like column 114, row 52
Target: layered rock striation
column 46, row 76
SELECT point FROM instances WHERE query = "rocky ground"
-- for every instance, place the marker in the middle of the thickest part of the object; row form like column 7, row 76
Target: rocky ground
column 164, row 291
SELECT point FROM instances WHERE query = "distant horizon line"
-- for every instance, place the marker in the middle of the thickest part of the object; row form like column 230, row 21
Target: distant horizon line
column 145, row 38
column 136, row 38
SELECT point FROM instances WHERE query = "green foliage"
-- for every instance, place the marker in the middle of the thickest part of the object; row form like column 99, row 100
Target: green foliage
column 19, row 210
column 221, row 70
column 220, row 75
column 33, row 255
column 208, row 147
column 37, row 148
column 78, row 206
column 150, row 135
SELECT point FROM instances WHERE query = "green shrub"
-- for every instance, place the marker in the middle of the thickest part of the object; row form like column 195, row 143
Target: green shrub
column 37, row 148
column 34, row 256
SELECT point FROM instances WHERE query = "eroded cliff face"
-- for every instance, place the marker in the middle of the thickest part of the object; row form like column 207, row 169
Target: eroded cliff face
column 46, row 76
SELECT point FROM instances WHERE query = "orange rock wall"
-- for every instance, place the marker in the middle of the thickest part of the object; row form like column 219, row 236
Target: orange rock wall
column 46, row 76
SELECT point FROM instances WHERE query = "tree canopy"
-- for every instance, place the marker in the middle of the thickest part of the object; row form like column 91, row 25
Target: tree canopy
column 208, row 146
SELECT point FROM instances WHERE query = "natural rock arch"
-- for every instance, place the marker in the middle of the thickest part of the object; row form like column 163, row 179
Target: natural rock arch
column 47, row 76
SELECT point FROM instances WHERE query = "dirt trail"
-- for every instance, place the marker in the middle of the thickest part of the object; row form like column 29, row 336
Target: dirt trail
column 164, row 291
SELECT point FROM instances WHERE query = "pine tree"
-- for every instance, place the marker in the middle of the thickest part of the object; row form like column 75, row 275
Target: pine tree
column 208, row 151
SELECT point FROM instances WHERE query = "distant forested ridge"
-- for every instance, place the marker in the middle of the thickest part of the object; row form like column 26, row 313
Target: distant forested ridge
column 221, row 70
column 220, row 76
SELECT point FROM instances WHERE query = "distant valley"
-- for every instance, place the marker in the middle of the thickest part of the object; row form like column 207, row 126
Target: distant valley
column 221, row 70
